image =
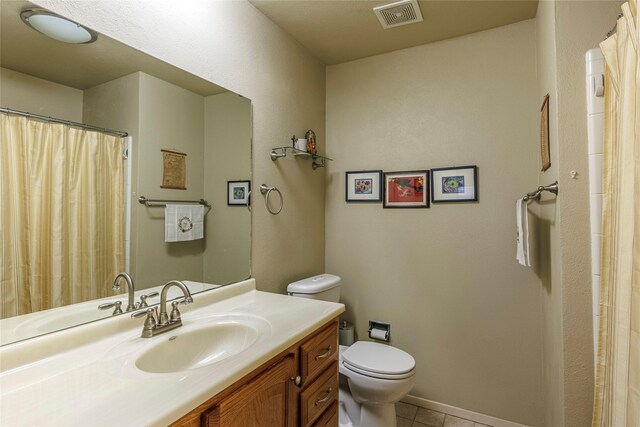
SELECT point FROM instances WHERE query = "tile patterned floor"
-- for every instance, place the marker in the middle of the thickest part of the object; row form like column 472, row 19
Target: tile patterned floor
column 412, row 416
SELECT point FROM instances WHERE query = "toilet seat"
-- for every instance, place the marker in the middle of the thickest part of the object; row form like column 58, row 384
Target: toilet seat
column 376, row 375
column 378, row 360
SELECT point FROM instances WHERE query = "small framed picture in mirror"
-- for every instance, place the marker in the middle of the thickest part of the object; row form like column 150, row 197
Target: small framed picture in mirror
column 238, row 193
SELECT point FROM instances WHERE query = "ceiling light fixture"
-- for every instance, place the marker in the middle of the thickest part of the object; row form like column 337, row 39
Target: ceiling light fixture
column 57, row 27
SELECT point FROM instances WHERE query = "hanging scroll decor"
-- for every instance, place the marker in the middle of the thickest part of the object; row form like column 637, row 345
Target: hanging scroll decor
column 544, row 134
column 173, row 170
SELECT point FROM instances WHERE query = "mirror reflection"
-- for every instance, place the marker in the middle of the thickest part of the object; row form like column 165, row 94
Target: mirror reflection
column 71, row 220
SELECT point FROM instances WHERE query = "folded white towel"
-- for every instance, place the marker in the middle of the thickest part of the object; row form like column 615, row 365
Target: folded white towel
column 522, row 221
column 183, row 222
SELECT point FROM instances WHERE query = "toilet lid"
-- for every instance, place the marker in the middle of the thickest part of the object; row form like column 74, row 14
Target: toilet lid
column 375, row 358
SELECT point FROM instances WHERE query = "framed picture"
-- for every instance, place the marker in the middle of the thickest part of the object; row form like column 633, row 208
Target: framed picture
column 238, row 193
column 363, row 186
column 408, row 189
column 457, row 184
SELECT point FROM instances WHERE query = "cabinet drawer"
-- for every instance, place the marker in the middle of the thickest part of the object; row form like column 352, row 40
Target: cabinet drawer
column 329, row 418
column 318, row 352
column 319, row 395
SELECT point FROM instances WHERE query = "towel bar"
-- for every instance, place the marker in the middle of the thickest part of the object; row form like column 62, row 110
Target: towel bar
column 551, row 188
column 159, row 202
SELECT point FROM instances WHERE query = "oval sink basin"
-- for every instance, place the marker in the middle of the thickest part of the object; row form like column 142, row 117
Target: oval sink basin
column 64, row 317
column 195, row 348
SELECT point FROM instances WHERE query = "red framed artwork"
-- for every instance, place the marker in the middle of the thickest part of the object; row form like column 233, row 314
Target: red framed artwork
column 406, row 189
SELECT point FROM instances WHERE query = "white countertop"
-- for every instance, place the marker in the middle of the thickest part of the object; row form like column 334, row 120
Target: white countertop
column 87, row 376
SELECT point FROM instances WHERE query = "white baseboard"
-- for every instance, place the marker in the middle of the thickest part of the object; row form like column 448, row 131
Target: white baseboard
column 459, row 412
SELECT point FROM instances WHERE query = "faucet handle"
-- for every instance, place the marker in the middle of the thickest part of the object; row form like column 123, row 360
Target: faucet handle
column 108, row 305
column 143, row 299
column 186, row 300
column 149, row 322
column 141, row 313
column 175, row 313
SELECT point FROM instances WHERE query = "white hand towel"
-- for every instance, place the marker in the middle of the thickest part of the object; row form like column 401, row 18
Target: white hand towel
column 522, row 221
column 183, row 222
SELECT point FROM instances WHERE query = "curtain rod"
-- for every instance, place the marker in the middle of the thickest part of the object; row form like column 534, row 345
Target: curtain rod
column 615, row 27
column 64, row 122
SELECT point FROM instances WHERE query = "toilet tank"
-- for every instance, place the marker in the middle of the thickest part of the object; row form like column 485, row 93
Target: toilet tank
column 324, row 287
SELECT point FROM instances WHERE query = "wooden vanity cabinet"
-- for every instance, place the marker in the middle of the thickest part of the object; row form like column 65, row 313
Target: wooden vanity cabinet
column 319, row 373
column 264, row 399
column 298, row 387
column 329, row 418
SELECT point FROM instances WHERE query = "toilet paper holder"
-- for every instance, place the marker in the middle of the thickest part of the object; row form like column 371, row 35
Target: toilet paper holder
column 380, row 330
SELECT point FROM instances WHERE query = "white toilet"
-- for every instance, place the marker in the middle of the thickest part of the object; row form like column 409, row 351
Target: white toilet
column 373, row 376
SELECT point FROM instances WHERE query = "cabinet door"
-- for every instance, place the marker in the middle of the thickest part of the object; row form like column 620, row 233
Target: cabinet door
column 268, row 400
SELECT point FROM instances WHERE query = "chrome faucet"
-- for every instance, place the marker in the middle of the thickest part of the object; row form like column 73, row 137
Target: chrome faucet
column 130, row 289
column 163, row 318
column 164, row 322
column 117, row 305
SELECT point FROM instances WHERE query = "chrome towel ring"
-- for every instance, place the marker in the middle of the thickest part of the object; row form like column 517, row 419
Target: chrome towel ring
column 265, row 189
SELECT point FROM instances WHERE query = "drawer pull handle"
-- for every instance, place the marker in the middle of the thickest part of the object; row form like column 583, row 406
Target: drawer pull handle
column 326, row 353
column 324, row 399
column 297, row 380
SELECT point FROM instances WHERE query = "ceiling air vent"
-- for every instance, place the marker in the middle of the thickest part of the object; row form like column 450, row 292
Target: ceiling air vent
column 399, row 13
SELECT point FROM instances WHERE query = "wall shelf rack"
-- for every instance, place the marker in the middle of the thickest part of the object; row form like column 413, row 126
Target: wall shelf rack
column 318, row 161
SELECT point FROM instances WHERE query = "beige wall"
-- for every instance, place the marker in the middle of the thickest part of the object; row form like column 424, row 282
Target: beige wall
column 234, row 45
column 157, row 115
column 579, row 26
column 227, row 157
column 114, row 104
column 171, row 118
column 23, row 92
column 548, row 262
column 212, row 131
column 446, row 278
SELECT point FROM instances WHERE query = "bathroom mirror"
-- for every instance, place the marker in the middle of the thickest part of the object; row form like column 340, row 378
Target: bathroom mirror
column 112, row 85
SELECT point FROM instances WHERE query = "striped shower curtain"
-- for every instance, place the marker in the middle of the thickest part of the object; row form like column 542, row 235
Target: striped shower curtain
column 61, row 214
column 617, row 392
